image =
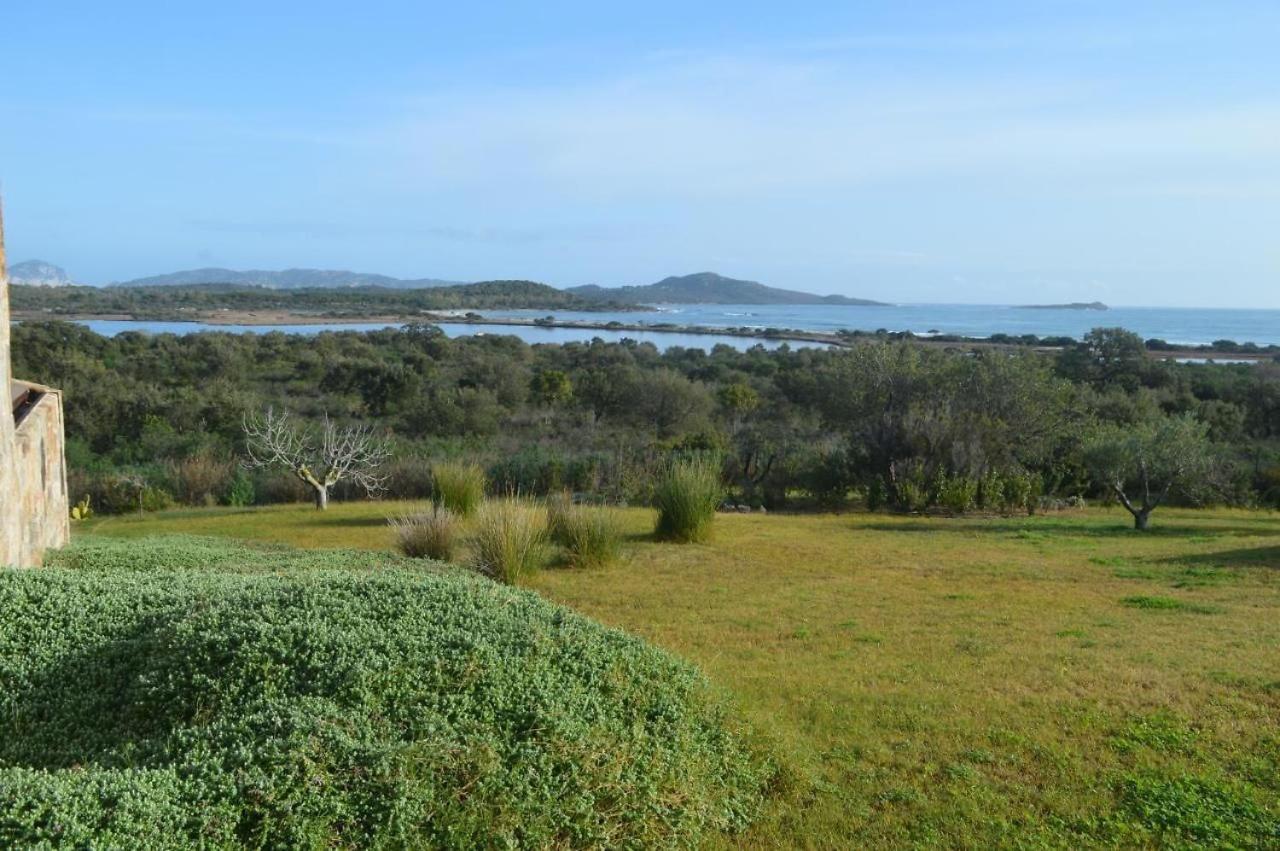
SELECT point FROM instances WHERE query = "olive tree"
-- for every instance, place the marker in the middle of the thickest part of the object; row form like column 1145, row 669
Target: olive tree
column 1141, row 464
column 321, row 457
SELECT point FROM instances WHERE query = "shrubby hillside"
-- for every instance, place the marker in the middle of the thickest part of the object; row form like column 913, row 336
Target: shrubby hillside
column 175, row 693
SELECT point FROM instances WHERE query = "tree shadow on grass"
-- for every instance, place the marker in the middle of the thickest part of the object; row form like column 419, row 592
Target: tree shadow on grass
column 1246, row 557
column 352, row 522
column 1122, row 528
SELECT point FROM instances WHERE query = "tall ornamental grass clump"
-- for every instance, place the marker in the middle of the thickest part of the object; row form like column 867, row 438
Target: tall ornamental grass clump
column 687, row 496
column 508, row 538
column 458, row 487
column 426, row 534
column 219, row 701
column 590, row 535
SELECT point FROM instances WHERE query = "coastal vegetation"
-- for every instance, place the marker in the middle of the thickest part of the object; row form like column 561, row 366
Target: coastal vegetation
column 209, row 302
column 885, row 424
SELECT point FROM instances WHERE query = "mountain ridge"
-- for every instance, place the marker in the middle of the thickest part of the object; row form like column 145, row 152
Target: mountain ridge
column 713, row 288
column 285, row 279
column 696, row 288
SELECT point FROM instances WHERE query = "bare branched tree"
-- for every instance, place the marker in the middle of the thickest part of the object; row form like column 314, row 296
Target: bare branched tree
column 352, row 453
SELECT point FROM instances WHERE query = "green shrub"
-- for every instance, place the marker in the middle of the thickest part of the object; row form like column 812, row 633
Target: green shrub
column 199, row 479
column 156, row 499
column 509, row 538
column 825, row 477
column 423, row 534
column 911, row 486
column 458, row 487
column 407, row 478
column 531, row 470
column 241, row 492
column 957, row 493
column 687, row 497
column 591, row 535
column 991, row 491
column 174, row 704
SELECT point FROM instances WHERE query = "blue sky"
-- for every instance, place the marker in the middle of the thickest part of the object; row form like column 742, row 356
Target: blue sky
column 936, row 152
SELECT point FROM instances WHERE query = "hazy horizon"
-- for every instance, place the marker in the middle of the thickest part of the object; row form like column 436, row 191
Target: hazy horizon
column 924, row 155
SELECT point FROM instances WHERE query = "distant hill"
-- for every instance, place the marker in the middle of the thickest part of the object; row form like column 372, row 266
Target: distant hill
column 710, row 288
column 38, row 273
column 1074, row 305
column 286, row 279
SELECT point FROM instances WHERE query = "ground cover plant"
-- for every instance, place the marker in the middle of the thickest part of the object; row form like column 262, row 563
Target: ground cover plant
column 178, row 693
column 950, row 682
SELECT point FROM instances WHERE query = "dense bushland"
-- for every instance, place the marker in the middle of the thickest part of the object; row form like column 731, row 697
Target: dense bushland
column 176, row 693
column 184, row 302
column 154, row 420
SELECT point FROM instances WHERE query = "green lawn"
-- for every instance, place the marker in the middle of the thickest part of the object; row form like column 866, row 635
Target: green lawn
column 1040, row 682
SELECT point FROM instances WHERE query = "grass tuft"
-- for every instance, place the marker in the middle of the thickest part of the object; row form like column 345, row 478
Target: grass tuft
column 457, row 487
column 590, row 535
column 423, row 534
column 687, row 497
column 509, row 540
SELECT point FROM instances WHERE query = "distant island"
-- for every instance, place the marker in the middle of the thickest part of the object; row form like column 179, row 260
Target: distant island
column 1074, row 305
column 710, row 288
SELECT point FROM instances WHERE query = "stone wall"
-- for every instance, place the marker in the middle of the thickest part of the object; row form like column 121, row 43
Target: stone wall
column 10, row 516
column 40, row 470
column 34, row 515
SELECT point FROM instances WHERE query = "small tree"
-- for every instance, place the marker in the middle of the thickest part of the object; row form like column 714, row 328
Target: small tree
column 321, row 461
column 1142, row 464
column 551, row 387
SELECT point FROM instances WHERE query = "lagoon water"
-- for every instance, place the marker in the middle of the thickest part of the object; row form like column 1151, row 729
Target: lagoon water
column 1184, row 326
column 1189, row 326
column 530, row 334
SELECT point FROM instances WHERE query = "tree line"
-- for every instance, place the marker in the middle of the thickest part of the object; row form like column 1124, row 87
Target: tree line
column 153, row 420
column 181, row 302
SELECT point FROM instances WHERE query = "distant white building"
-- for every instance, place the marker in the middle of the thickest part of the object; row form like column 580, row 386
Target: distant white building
column 34, row 511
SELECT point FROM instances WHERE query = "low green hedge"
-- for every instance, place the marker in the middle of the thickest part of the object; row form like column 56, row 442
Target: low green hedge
column 184, row 693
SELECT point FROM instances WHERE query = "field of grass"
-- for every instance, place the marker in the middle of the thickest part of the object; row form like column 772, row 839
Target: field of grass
column 1038, row 682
